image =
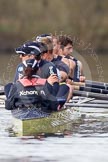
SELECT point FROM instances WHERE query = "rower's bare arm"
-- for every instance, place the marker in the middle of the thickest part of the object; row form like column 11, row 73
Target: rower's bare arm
column 82, row 77
column 72, row 67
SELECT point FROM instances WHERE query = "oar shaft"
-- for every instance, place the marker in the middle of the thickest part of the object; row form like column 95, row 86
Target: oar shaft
column 2, row 92
column 96, row 83
column 94, row 105
column 94, row 90
column 92, row 84
column 90, row 94
column 96, row 101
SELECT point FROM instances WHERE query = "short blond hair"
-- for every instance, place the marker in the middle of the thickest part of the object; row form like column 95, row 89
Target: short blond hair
column 48, row 42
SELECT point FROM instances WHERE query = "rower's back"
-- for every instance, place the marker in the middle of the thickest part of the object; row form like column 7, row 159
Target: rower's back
column 32, row 91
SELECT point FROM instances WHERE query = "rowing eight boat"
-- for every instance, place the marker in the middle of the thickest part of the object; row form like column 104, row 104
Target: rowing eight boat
column 61, row 120
column 55, row 122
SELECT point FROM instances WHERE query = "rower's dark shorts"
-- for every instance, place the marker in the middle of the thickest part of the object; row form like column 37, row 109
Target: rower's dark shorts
column 63, row 91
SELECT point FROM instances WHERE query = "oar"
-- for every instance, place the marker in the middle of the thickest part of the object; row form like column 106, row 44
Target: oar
column 3, row 99
column 96, row 101
column 92, row 84
column 90, row 94
column 96, row 83
column 2, row 92
column 91, row 89
column 94, row 105
column 85, row 100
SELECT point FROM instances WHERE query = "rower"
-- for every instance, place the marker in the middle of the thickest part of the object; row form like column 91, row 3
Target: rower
column 46, row 68
column 50, row 54
column 31, row 91
column 65, row 49
column 24, row 54
column 63, row 68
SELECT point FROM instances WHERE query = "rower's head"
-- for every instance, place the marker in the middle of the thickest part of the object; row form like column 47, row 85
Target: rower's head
column 29, row 50
column 39, row 46
column 40, row 37
column 36, row 50
column 48, row 55
column 56, row 45
column 23, row 53
column 30, row 67
column 66, row 45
